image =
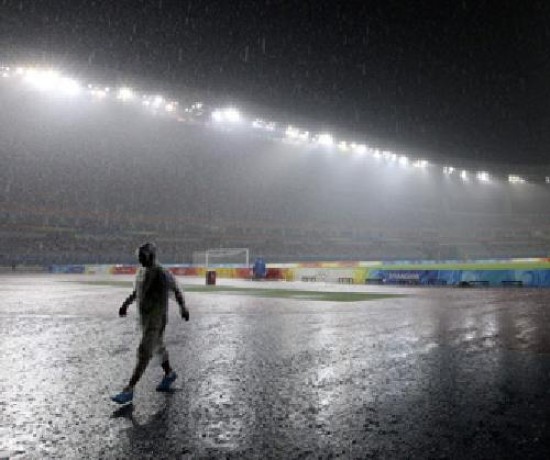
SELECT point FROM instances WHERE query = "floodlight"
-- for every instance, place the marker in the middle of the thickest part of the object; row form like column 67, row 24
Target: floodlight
column 482, row 176
column 377, row 153
column 258, row 123
column 232, row 115
column 170, row 107
column 229, row 115
column 20, row 71
column 464, row 174
column 547, row 179
column 343, row 146
column 361, row 149
column 448, row 170
column 125, row 94
column 217, row 115
column 42, row 80
column 292, row 132
column 5, row 74
column 157, row 101
column 514, row 179
column 420, row 164
column 403, row 160
column 325, row 139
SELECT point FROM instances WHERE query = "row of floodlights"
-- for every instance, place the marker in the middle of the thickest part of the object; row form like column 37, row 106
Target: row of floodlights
column 52, row 80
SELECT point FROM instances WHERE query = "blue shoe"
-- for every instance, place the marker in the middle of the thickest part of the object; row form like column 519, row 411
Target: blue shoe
column 167, row 380
column 123, row 397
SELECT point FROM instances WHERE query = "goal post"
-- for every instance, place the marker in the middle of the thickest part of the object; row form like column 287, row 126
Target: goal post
column 222, row 256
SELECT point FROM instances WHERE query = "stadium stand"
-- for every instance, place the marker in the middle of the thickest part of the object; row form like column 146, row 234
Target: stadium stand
column 88, row 188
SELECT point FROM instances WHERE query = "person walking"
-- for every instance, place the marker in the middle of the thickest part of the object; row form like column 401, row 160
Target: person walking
column 152, row 287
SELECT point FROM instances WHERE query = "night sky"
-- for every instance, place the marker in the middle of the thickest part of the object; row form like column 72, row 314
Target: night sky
column 453, row 78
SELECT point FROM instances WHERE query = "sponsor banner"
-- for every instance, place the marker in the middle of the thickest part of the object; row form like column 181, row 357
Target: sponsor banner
column 123, row 270
column 527, row 278
column 66, row 269
column 97, row 269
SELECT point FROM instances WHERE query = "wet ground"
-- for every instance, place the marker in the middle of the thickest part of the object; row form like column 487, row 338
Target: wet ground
column 439, row 373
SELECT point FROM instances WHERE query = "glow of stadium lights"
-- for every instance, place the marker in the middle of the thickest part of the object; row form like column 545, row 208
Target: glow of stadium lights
column 403, row 160
column 291, row 132
column 125, row 94
column 464, row 174
column 229, row 115
column 217, row 115
column 547, row 179
column 325, row 139
column 20, row 71
column 43, row 80
column 420, row 164
column 448, row 170
column 5, row 74
column 377, row 153
column 232, row 115
column 51, row 80
column 361, row 149
column 157, row 101
column 482, row 176
column 258, row 123
column 514, row 179
column 170, row 107
column 99, row 93
column 69, row 86
column 343, row 146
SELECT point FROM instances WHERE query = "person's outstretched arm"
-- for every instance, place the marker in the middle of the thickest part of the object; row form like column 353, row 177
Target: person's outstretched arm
column 129, row 300
column 180, row 298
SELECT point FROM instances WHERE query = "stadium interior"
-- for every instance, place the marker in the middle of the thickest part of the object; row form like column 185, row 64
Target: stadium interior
column 88, row 182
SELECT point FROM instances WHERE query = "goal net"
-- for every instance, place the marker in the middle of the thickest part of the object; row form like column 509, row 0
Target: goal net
column 222, row 256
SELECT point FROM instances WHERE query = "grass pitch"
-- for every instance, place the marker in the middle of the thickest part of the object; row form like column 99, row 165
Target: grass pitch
column 295, row 294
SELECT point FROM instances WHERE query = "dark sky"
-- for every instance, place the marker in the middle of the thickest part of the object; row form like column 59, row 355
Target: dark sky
column 454, row 78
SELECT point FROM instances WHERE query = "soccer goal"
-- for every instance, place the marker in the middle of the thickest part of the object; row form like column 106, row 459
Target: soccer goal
column 222, row 256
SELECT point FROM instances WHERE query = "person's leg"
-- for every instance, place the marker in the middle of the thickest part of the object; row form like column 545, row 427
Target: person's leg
column 144, row 354
column 169, row 374
column 163, row 352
